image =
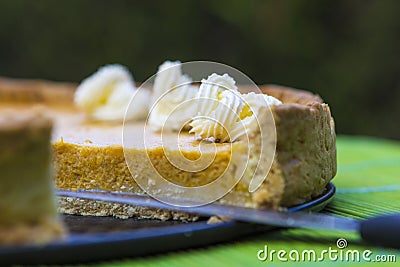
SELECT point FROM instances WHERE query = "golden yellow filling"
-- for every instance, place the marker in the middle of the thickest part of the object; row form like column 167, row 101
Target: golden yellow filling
column 246, row 112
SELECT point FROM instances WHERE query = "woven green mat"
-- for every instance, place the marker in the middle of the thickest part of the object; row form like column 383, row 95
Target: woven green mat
column 368, row 183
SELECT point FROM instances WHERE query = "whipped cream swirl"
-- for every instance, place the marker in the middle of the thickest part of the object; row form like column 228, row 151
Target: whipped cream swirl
column 172, row 94
column 106, row 94
column 227, row 115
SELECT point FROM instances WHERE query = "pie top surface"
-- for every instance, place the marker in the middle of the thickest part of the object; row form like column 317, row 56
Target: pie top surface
column 73, row 127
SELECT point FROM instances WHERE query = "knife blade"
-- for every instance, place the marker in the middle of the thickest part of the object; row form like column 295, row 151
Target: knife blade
column 382, row 230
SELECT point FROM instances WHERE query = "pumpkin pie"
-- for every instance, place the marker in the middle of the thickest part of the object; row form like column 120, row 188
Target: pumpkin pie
column 27, row 203
column 90, row 155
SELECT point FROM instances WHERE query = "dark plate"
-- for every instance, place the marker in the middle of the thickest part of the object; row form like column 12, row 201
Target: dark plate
column 103, row 238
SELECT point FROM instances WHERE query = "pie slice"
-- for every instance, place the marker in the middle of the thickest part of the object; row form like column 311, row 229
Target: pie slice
column 90, row 155
column 27, row 204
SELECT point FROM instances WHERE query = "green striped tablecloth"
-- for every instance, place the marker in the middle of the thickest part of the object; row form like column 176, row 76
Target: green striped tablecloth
column 368, row 183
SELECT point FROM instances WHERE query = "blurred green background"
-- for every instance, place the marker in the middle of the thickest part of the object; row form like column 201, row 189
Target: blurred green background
column 347, row 51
